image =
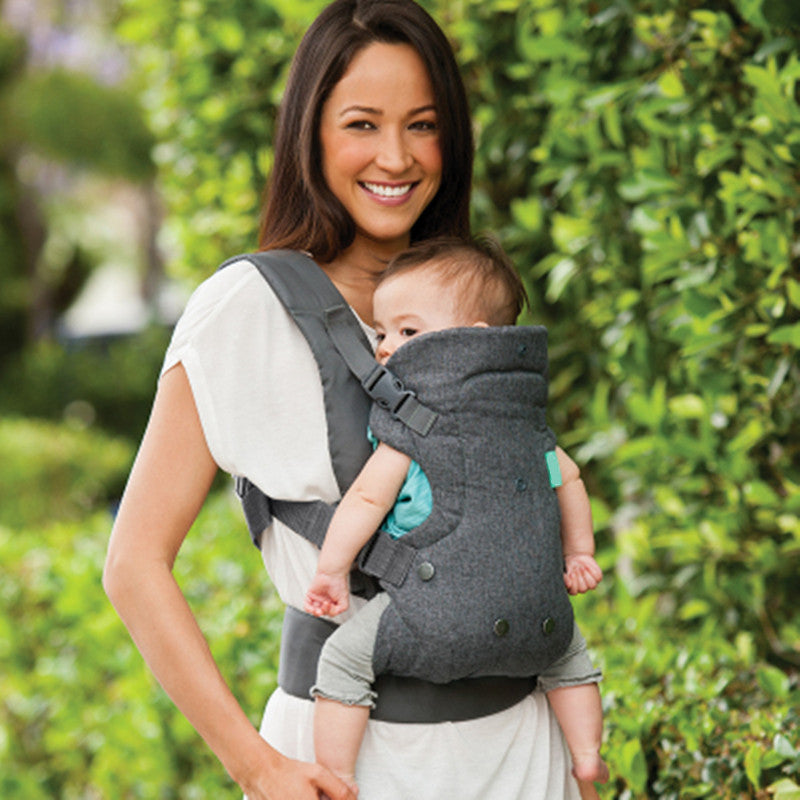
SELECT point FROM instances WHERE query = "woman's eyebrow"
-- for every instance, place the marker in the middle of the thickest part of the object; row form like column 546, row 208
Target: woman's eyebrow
column 360, row 110
column 379, row 112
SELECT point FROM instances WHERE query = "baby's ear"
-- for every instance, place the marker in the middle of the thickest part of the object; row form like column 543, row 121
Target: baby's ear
column 480, row 324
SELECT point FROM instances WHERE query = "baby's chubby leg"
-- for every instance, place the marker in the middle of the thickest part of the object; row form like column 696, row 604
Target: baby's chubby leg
column 338, row 733
column 343, row 691
column 571, row 687
column 580, row 715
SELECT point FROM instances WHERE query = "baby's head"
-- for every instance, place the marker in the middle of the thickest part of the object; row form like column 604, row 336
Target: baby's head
column 445, row 283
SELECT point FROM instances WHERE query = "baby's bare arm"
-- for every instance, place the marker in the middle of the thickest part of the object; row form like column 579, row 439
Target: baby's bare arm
column 363, row 508
column 577, row 532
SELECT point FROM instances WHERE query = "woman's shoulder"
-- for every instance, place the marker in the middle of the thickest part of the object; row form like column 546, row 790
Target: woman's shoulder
column 236, row 294
column 231, row 284
column 232, row 304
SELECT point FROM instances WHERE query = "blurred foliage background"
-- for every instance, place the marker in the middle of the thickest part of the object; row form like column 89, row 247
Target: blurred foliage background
column 640, row 160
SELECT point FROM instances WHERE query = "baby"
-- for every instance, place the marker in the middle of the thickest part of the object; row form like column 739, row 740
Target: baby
column 431, row 287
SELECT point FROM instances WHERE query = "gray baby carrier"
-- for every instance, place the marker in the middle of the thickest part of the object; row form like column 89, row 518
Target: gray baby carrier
column 484, row 590
column 480, row 435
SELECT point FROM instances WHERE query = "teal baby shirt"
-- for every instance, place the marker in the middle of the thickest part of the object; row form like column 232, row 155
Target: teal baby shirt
column 414, row 501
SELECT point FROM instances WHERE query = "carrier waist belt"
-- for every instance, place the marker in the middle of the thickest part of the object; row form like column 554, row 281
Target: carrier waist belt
column 399, row 699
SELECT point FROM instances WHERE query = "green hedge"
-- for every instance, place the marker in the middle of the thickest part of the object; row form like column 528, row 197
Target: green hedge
column 51, row 471
column 106, row 383
column 80, row 714
column 687, row 715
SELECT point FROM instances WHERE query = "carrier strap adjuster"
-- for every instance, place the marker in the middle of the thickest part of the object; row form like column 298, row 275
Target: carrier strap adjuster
column 388, row 391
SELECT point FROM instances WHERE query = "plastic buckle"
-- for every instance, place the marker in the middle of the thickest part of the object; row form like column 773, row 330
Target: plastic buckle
column 386, row 389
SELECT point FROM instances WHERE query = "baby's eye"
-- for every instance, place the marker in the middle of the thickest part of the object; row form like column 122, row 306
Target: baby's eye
column 408, row 332
column 379, row 337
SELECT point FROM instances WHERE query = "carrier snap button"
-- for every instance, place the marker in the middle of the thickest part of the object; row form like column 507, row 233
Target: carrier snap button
column 521, row 484
column 500, row 627
column 548, row 626
column 426, row 570
column 522, row 349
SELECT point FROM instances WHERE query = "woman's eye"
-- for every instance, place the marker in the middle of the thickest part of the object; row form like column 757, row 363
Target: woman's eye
column 360, row 125
column 425, row 125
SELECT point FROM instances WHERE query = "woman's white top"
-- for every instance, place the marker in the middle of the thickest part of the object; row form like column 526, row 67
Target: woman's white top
column 259, row 398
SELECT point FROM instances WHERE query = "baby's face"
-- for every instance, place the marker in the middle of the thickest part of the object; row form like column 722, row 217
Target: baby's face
column 409, row 304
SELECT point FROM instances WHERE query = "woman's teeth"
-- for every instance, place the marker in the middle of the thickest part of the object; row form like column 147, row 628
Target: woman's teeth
column 388, row 191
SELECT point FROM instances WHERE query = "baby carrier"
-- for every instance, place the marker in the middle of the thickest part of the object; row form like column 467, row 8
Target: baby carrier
column 521, row 624
column 483, row 592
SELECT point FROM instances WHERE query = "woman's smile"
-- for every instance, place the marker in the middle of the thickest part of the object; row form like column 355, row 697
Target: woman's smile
column 388, row 191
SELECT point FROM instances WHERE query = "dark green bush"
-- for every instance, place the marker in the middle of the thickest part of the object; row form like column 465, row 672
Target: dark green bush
column 107, row 383
column 641, row 161
column 57, row 471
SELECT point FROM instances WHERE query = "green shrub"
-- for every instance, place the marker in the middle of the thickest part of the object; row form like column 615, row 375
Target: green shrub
column 641, row 163
column 57, row 471
column 107, row 383
column 80, row 714
column 689, row 714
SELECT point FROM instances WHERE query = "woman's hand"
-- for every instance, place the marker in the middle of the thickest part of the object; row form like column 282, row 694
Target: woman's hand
column 281, row 778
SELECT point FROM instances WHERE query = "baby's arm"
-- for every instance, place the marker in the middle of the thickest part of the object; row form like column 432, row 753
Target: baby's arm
column 582, row 572
column 358, row 516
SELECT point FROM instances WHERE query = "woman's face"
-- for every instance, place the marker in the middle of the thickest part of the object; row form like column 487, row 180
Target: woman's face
column 380, row 143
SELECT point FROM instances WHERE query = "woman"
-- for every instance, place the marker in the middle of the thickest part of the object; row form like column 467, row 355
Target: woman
column 373, row 151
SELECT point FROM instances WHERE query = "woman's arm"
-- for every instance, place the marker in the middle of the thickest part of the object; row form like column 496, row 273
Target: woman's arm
column 167, row 486
column 577, row 532
column 362, row 509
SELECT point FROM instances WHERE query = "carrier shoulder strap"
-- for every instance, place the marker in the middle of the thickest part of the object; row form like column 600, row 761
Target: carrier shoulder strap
column 350, row 376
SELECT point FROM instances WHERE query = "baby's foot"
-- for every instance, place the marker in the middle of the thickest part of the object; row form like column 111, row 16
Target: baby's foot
column 589, row 767
column 587, row 791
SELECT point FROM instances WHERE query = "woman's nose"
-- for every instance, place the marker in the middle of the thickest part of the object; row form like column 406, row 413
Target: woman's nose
column 393, row 153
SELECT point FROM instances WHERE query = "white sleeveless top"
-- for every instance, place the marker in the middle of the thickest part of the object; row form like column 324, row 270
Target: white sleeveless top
column 259, row 398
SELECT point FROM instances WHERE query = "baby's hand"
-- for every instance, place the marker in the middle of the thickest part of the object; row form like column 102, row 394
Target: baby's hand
column 581, row 573
column 328, row 595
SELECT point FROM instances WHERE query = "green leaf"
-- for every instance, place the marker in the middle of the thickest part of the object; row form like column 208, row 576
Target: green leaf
column 752, row 764
column 793, row 292
column 694, row 609
column 786, row 334
column 527, row 213
column 785, row 789
column 632, row 764
column 688, row 406
column 781, row 744
column 776, row 683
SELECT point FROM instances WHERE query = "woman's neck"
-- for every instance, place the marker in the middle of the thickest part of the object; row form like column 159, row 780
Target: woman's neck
column 355, row 274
